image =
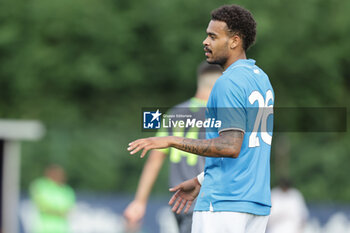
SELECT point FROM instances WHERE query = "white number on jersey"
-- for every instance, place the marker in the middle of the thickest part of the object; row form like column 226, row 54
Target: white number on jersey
column 261, row 118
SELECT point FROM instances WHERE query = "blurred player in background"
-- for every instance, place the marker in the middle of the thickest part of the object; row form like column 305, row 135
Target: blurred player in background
column 289, row 212
column 183, row 165
column 234, row 190
column 53, row 199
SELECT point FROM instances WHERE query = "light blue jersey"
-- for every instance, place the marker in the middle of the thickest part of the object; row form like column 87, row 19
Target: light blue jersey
column 242, row 98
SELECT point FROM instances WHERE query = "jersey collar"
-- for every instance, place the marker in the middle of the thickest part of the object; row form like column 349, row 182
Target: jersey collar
column 241, row 62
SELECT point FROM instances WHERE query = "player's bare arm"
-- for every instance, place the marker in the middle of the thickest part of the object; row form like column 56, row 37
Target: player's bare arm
column 228, row 144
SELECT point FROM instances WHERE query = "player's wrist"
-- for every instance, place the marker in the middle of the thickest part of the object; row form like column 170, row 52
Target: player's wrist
column 140, row 201
column 196, row 181
column 173, row 141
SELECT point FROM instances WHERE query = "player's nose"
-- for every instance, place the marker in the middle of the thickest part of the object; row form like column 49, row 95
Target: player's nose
column 205, row 42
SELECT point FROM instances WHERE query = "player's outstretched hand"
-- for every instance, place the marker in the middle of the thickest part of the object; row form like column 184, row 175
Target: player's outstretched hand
column 148, row 144
column 185, row 194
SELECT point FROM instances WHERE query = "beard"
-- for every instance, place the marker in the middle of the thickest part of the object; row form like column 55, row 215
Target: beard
column 218, row 61
column 220, row 57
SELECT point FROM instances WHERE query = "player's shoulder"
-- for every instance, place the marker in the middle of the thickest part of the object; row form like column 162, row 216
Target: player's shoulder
column 233, row 78
column 236, row 73
column 247, row 74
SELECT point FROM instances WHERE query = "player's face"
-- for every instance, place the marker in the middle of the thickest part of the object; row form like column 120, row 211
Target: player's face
column 216, row 45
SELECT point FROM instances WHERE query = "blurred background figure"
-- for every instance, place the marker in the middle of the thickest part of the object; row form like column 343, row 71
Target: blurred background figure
column 289, row 212
column 183, row 165
column 54, row 199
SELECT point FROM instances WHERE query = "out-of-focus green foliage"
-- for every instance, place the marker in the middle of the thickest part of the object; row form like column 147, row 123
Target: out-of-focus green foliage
column 86, row 67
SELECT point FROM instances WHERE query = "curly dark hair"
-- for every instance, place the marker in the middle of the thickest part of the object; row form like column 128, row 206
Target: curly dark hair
column 239, row 21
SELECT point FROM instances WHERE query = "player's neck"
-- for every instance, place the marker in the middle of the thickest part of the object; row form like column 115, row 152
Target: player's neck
column 234, row 58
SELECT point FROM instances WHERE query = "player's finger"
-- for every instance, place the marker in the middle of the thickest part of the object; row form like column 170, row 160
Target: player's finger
column 189, row 203
column 144, row 152
column 138, row 148
column 174, row 197
column 133, row 145
column 177, row 203
column 135, row 142
column 130, row 218
column 173, row 189
column 182, row 205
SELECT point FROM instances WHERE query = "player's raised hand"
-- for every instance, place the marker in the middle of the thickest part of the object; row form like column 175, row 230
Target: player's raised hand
column 147, row 144
column 185, row 194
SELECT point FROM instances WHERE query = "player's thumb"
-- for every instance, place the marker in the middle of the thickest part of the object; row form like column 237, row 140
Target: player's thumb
column 173, row 189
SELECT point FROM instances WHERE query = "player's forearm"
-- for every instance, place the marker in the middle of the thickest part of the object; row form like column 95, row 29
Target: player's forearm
column 209, row 147
column 224, row 146
column 149, row 175
column 228, row 144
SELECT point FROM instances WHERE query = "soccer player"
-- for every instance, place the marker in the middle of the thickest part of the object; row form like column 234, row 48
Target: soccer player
column 54, row 199
column 183, row 165
column 234, row 192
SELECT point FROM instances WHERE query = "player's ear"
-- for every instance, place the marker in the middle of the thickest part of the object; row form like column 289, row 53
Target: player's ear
column 234, row 41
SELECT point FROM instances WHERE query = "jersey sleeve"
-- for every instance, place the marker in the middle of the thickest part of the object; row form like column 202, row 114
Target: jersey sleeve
column 230, row 104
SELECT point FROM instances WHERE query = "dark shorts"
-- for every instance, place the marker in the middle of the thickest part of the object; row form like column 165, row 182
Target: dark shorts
column 184, row 222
